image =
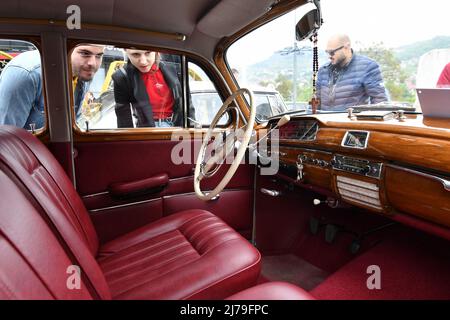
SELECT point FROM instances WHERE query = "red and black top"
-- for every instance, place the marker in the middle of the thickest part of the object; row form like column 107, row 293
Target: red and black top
column 159, row 93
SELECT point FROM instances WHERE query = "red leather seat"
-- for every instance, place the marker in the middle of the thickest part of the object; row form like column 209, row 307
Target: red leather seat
column 188, row 255
column 273, row 291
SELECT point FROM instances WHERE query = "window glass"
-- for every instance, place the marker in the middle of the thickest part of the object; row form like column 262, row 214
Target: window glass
column 21, row 89
column 379, row 61
column 204, row 97
column 126, row 88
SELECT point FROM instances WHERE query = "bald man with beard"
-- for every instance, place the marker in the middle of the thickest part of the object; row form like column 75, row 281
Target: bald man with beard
column 348, row 79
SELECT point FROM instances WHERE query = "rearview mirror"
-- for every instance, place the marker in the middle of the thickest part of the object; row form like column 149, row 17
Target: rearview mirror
column 309, row 23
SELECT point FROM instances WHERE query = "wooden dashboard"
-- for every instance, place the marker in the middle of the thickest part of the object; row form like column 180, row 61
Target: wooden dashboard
column 404, row 168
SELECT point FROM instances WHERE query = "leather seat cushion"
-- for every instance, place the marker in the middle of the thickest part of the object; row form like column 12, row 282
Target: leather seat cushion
column 189, row 255
column 273, row 291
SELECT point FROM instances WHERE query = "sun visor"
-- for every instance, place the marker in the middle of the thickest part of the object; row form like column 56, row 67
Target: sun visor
column 229, row 16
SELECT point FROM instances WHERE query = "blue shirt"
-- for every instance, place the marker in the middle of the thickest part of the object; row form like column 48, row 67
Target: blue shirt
column 360, row 82
column 21, row 99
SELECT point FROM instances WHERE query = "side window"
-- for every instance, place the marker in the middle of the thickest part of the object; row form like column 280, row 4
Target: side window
column 205, row 100
column 126, row 88
column 21, row 90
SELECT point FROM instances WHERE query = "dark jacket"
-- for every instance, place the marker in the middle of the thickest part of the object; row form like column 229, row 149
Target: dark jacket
column 129, row 88
column 360, row 82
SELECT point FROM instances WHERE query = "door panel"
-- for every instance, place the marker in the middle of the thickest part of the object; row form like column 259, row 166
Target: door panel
column 113, row 222
column 233, row 206
column 99, row 164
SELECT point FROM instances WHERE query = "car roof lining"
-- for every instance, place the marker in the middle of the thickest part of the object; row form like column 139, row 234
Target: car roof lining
column 203, row 22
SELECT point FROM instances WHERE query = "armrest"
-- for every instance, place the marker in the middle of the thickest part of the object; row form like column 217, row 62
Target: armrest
column 139, row 187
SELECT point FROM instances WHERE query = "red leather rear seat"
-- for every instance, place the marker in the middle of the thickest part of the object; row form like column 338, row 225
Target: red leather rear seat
column 189, row 255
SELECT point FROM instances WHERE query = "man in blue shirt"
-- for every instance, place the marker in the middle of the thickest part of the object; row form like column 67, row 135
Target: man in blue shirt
column 21, row 98
column 348, row 79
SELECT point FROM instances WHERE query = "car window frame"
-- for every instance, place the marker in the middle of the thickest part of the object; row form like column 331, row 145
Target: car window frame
column 185, row 58
column 211, row 77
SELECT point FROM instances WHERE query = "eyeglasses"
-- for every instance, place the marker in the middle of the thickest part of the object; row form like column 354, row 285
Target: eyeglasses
column 332, row 52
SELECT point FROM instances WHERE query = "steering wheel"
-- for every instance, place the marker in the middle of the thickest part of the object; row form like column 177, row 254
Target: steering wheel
column 206, row 169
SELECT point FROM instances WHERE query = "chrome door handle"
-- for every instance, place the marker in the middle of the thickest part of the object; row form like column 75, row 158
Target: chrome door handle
column 272, row 193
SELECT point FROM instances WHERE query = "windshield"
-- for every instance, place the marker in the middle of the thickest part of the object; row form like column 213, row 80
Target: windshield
column 370, row 53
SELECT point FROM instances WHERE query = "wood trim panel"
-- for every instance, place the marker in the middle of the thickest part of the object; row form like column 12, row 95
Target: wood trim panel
column 281, row 7
column 138, row 134
column 416, row 150
column 418, row 195
column 415, row 125
column 315, row 175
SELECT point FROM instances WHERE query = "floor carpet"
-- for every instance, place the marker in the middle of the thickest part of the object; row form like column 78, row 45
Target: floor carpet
column 292, row 269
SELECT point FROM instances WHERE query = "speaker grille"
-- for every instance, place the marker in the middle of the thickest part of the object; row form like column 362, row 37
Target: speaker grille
column 361, row 192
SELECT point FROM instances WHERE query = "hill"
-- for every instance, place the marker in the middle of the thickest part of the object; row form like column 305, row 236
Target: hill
column 415, row 50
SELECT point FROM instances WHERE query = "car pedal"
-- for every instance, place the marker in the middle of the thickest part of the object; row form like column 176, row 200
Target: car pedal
column 314, row 225
column 330, row 233
column 355, row 246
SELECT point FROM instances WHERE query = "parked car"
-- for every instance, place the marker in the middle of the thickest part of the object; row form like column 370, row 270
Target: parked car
column 207, row 102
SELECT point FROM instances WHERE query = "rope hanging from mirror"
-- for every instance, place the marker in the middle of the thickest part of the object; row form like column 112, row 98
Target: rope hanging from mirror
column 314, row 100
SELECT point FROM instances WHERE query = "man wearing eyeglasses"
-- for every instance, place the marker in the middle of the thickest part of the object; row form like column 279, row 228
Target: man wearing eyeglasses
column 21, row 99
column 348, row 79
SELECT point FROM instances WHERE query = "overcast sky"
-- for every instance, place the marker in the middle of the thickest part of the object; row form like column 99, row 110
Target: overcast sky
column 394, row 22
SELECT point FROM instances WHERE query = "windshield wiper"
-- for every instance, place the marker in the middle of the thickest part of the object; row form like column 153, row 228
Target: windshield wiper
column 278, row 115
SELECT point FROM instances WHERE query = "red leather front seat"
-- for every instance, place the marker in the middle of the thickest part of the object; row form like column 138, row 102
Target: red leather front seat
column 188, row 255
column 273, row 291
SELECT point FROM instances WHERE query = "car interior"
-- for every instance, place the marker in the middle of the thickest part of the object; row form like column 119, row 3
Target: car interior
column 297, row 205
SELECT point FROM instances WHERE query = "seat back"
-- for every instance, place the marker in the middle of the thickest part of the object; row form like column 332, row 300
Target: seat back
column 33, row 264
column 43, row 178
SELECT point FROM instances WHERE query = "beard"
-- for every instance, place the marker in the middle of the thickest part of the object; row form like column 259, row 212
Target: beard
column 84, row 74
column 340, row 62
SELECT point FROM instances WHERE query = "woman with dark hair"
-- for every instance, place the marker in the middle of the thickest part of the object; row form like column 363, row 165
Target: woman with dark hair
column 152, row 89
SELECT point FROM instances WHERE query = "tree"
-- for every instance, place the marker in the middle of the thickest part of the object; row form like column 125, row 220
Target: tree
column 304, row 91
column 284, row 86
column 393, row 75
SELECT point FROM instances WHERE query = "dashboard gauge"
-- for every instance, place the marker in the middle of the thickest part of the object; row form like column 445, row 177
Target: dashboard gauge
column 299, row 130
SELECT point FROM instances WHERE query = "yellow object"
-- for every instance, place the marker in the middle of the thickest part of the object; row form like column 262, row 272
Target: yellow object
column 194, row 75
column 112, row 67
column 8, row 56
